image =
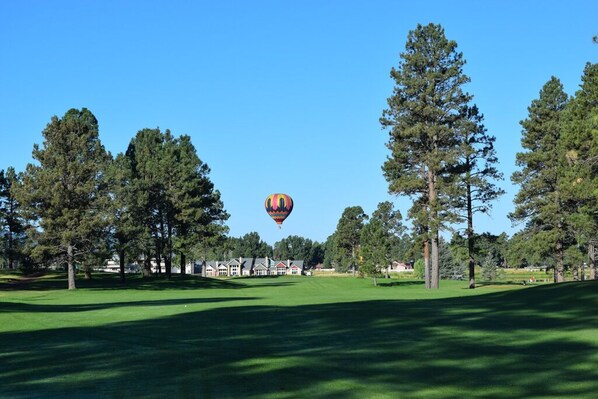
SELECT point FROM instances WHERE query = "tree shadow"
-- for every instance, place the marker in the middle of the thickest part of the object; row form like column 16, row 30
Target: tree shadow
column 405, row 283
column 14, row 307
column 110, row 281
column 526, row 343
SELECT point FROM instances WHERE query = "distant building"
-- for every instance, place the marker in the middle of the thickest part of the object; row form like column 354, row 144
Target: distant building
column 399, row 267
column 248, row 267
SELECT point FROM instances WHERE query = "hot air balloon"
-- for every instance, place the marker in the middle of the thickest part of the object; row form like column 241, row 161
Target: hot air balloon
column 279, row 206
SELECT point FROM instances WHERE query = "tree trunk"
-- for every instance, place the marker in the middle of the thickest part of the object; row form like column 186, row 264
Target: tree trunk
column 470, row 238
column 70, row 267
column 168, row 254
column 11, row 259
column 121, row 259
column 433, row 229
column 183, row 261
column 559, row 272
column 592, row 257
column 87, row 272
column 147, row 266
column 435, row 283
column 427, row 264
column 353, row 259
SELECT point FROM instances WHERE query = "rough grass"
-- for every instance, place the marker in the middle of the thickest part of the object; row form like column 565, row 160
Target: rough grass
column 296, row 337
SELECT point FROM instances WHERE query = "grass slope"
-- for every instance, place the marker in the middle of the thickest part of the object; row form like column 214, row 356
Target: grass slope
column 296, row 337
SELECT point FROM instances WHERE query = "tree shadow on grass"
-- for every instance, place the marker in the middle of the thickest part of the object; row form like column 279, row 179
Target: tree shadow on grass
column 110, row 281
column 400, row 283
column 525, row 343
column 15, row 307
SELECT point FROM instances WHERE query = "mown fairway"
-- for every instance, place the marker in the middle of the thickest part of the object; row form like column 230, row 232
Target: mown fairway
column 296, row 337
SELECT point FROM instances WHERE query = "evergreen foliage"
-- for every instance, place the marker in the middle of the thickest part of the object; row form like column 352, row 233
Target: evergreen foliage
column 65, row 193
column 423, row 115
column 490, row 268
column 477, row 173
column 539, row 202
column 12, row 225
column 347, row 238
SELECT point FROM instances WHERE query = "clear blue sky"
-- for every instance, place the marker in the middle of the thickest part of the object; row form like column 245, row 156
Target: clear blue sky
column 277, row 96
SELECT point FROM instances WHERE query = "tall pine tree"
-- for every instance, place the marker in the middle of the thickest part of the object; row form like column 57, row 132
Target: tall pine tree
column 478, row 174
column 422, row 116
column 579, row 186
column 65, row 190
column 539, row 202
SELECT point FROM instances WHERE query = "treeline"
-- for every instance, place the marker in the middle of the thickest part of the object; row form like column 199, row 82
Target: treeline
column 77, row 204
column 442, row 157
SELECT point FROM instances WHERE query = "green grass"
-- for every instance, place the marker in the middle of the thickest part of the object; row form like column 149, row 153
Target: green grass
column 296, row 337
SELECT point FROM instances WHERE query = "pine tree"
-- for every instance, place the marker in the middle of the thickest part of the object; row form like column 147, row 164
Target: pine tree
column 375, row 248
column 347, row 237
column 12, row 225
column 127, row 220
column 580, row 143
column 477, row 174
column 65, row 190
column 490, row 268
column 199, row 213
column 423, row 115
column 539, row 201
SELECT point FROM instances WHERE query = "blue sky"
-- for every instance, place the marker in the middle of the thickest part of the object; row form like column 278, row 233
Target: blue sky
column 277, row 96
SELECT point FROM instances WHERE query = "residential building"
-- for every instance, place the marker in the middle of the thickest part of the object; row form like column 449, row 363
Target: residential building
column 249, row 267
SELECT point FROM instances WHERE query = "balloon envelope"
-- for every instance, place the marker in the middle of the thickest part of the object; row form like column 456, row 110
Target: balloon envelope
column 279, row 206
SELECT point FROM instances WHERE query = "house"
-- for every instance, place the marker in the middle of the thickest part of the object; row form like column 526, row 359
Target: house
column 249, row 267
column 399, row 267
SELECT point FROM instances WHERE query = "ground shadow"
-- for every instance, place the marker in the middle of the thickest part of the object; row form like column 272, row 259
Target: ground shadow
column 526, row 343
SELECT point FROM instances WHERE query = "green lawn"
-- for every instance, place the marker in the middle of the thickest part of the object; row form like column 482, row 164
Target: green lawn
column 286, row 337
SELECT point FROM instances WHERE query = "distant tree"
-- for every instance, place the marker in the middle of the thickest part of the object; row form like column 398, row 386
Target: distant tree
column 539, row 202
column 65, row 190
column 423, row 116
column 375, row 248
column 12, row 225
column 380, row 236
column 490, row 268
column 316, row 254
column 449, row 268
column 251, row 246
column 293, row 247
column 331, row 256
column 348, row 237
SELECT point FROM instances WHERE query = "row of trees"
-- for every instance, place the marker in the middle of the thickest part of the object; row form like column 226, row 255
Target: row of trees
column 77, row 204
column 558, row 177
column 442, row 157
column 251, row 246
